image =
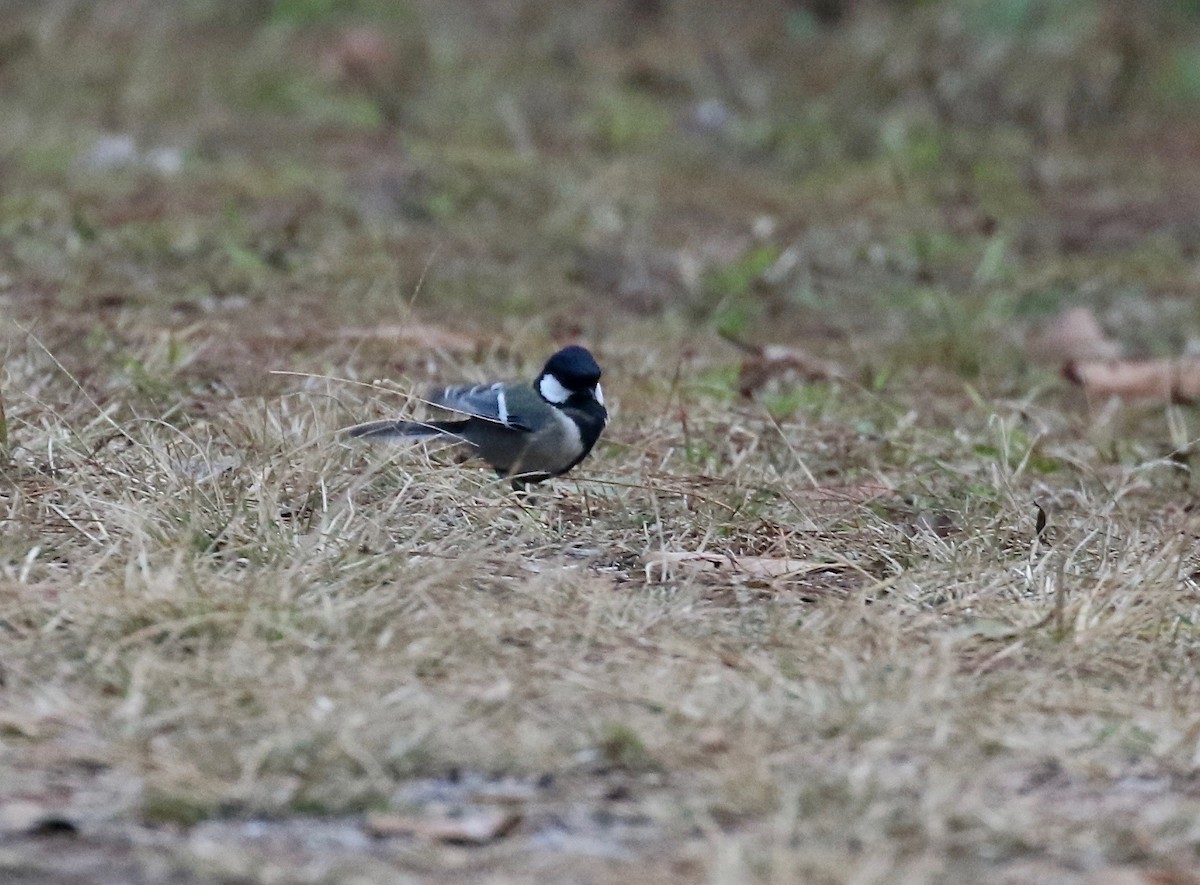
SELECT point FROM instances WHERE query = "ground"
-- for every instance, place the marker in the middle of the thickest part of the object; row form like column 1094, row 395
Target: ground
column 857, row 587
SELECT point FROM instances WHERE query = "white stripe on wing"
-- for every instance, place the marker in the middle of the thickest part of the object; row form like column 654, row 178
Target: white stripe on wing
column 502, row 406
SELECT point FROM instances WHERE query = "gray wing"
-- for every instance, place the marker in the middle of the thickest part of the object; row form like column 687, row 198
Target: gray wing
column 487, row 401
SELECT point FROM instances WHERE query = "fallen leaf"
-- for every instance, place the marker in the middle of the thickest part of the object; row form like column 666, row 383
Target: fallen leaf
column 754, row 566
column 939, row 524
column 713, row 740
column 1176, row 381
column 359, row 55
column 1073, row 335
column 764, row 363
column 473, row 828
column 361, row 58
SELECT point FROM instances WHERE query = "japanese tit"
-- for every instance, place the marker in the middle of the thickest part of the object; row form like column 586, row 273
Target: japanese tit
column 528, row 432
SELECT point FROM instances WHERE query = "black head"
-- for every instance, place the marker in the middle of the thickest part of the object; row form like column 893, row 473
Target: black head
column 571, row 374
column 574, row 367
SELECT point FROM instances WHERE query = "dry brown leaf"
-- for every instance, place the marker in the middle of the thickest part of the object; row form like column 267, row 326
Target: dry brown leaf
column 1073, row 335
column 767, row 362
column 754, row 566
column 473, row 828
column 713, row 740
column 1158, row 380
column 359, row 54
column 788, row 363
column 364, row 59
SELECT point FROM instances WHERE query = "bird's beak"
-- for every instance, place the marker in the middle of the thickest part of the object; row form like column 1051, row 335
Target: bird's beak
column 598, row 394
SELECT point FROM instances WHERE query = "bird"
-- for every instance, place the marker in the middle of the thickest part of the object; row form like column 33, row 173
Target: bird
column 527, row 431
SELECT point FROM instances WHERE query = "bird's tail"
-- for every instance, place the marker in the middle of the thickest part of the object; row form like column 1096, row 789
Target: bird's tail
column 380, row 431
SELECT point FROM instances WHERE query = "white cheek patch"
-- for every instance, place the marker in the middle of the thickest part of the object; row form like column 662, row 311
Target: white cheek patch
column 552, row 390
column 599, row 395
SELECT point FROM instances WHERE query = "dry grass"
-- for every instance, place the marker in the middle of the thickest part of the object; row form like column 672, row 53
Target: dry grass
column 233, row 644
column 238, row 616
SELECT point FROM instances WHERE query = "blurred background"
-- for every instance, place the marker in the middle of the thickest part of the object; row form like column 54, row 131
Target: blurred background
column 929, row 178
